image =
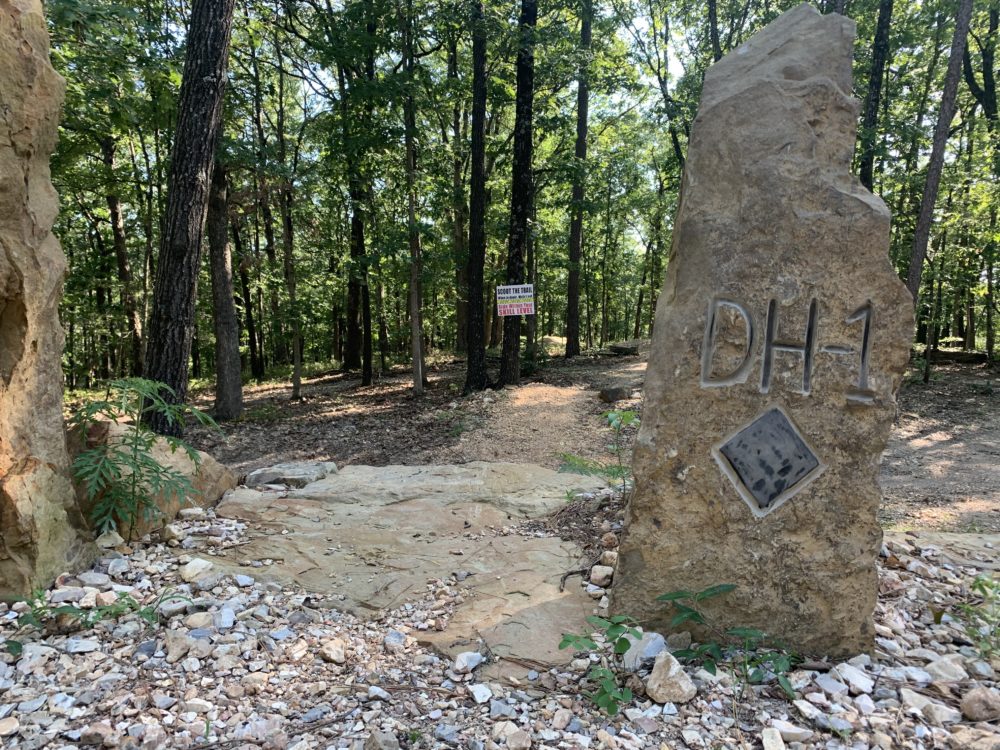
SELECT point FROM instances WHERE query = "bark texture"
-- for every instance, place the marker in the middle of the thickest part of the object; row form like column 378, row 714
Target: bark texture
column 199, row 119
column 522, row 187
column 228, row 381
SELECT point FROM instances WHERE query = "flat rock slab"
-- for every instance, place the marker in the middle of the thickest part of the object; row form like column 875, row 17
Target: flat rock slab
column 376, row 535
column 958, row 548
column 297, row 474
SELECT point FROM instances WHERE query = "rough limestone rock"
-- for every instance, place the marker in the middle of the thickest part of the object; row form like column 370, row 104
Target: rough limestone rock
column 668, row 682
column 781, row 337
column 209, row 479
column 43, row 532
column 291, row 474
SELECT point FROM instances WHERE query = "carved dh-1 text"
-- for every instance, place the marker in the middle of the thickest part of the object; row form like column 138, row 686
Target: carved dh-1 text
column 859, row 393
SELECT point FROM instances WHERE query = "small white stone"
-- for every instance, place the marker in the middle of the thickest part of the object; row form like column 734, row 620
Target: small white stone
column 480, row 693
column 109, row 540
column 466, row 661
column 771, row 739
column 334, row 651
column 197, row 568
column 947, row 669
column 519, row 740
column 601, row 575
column 790, row 732
column 940, row 714
column 9, row 726
column 668, row 682
column 858, row 681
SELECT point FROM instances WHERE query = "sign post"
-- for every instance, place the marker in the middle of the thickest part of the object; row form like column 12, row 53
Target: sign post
column 518, row 299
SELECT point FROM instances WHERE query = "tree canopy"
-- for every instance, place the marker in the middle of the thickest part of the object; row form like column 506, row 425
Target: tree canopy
column 347, row 160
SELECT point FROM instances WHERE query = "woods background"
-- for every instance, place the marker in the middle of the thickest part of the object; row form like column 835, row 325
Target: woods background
column 362, row 194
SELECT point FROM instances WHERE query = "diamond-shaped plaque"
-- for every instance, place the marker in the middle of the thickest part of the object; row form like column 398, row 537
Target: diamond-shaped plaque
column 768, row 461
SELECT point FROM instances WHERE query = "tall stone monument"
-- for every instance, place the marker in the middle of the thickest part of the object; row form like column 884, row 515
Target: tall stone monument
column 41, row 530
column 781, row 336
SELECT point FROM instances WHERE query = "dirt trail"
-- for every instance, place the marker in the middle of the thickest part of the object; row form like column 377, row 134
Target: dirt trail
column 941, row 470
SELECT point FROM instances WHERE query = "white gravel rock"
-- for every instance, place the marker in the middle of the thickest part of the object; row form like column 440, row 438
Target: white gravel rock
column 195, row 569
column 668, row 682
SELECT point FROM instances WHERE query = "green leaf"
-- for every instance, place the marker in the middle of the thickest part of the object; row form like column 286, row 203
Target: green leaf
column 747, row 634
column 786, row 685
column 713, row 591
column 673, row 596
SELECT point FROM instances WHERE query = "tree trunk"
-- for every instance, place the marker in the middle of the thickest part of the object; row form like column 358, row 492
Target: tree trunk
column 990, row 300
column 522, row 187
column 413, row 230
column 869, row 123
column 253, row 341
column 199, row 118
column 286, row 199
column 228, row 382
column 132, row 316
column 460, row 208
column 713, row 29
column 947, row 112
column 579, row 183
column 531, row 324
column 476, row 378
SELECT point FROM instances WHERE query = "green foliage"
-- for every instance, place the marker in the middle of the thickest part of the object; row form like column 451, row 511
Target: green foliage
column 981, row 617
column 754, row 661
column 573, row 464
column 619, row 422
column 40, row 614
column 120, row 477
column 609, row 693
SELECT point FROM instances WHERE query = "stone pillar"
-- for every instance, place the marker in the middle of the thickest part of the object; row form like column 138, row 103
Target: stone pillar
column 781, row 337
column 39, row 519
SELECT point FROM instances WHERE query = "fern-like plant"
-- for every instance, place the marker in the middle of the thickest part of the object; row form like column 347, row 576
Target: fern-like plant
column 121, row 478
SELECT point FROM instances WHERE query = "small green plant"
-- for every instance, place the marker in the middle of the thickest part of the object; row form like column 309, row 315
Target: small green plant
column 40, row 614
column 573, row 464
column 619, row 421
column 982, row 618
column 120, row 477
column 610, row 693
column 754, row 661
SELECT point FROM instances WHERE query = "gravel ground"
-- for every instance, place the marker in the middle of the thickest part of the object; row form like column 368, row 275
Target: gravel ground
column 241, row 663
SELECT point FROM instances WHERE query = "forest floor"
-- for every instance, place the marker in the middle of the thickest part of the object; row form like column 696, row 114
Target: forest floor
column 941, row 470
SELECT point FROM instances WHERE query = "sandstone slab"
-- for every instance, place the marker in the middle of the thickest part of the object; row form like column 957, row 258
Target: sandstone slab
column 781, row 337
column 373, row 536
column 43, row 531
column 291, row 474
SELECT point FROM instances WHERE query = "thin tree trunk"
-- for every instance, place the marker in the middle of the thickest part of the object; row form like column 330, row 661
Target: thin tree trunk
column 869, row 123
column 476, row 378
column 132, row 316
column 460, row 208
column 286, row 199
column 199, row 119
column 990, row 300
column 228, row 381
column 253, row 342
column 936, row 164
column 522, row 187
column 579, row 184
column 713, row 29
column 413, row 230
column 531, row 323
